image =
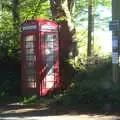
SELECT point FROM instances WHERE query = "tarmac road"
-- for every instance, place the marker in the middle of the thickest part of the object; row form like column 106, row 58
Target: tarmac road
column 20, row 112
column 61, row 117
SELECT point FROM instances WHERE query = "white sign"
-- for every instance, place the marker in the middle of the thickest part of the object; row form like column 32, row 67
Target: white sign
column 115, row 57
column 115, row 42
column 32, row 27
column 114, row 25
column 47, row 27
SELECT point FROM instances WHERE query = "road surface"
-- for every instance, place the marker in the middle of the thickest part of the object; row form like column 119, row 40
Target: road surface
column 21, row 112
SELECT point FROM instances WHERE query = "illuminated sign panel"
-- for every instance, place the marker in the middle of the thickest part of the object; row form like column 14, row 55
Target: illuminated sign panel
column 32, row 27
column 48, row 27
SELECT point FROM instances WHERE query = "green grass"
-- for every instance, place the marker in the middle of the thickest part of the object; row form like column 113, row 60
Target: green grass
column 28, row 100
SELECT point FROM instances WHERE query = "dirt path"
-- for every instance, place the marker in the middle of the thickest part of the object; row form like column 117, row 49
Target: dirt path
column 29, row 112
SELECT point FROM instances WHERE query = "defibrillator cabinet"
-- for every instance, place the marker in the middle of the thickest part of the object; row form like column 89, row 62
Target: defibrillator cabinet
column 40, row 57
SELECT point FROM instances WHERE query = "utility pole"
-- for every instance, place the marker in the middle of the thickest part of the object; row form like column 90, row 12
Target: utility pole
column 115, row 38
column 90, row 29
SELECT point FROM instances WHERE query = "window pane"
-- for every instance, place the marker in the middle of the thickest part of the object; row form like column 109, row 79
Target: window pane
column 50, row 84
column 30, row 65
column 31, row 78
column 50, row 37
column 30, row 44
column 30, row 58
column 29, row 51
column 51, row 70
column 29, row 38
column 50, row 44
column 49, row 51
column 31, row 72
column 50, row 58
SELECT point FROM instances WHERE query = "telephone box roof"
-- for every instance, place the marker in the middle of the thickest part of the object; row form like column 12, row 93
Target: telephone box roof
column 39, row 25
column 40, row 20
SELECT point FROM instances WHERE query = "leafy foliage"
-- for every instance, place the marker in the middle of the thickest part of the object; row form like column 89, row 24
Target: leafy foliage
column 31, row 99
column 93, row 87
column 80, row 12
column 10, row 35
column 9, row 77
column 37, row 9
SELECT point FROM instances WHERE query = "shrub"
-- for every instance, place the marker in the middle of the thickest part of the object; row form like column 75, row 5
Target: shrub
column 93, row 87
column 31, row 99
column 9, row 77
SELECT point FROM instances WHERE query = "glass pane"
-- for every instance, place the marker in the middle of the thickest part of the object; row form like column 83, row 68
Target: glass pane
column 31, row 78
column 30, row 45
column 51, row 71
column 49, row 51
column 50, row 84
column 50, row 44
column 50, row 77
column 29, row 38
column 50, row 37
column 31, row 72
column 30, row 65
column 30, row 58
column 29, row 51
column 49, row 58
column 31, row 84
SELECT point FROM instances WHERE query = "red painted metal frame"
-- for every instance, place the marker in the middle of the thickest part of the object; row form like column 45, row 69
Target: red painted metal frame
column 56, row 80
column 39, row 34
column 25, row 89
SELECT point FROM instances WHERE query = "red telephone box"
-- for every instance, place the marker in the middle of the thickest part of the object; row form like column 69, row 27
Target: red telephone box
column 40, row 57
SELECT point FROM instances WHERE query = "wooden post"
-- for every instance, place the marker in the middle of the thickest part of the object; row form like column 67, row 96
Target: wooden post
column 90, row 29
column 115, row 37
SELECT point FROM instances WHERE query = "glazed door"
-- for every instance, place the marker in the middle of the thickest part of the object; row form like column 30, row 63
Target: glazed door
column 29, row 60
column 50, row 53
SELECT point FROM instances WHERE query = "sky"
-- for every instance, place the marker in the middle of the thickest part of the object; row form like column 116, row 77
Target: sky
column 105, row 36
column 105, row 41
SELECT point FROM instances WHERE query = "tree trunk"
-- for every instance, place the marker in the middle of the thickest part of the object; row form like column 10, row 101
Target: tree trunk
column 61, row 9
column 90, row 45
column 15, row 13
column 16, row 22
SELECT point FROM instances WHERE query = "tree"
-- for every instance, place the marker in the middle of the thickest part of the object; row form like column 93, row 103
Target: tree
column 90, row 28
column 16, row 14
column 62, row 11
column 32, row 9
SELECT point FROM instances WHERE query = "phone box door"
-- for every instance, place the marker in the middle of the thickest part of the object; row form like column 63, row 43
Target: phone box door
column 28, row 63
column 50, row 60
